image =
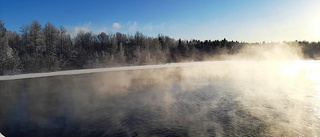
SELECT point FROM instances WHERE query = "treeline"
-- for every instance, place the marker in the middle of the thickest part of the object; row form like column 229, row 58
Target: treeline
column 47, row 48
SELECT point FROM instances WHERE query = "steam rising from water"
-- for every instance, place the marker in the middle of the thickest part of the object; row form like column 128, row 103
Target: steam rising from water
column 264, row 91
column 271, row 82
column 266, row 52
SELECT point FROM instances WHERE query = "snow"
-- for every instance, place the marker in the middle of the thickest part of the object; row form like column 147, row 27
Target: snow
column 87, row 71
column 127, row 68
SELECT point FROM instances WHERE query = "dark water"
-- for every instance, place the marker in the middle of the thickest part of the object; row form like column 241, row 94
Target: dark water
column 156, row 103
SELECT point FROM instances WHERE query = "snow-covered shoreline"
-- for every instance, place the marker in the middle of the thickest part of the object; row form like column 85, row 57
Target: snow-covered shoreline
column 87, row 71
column 125, row 68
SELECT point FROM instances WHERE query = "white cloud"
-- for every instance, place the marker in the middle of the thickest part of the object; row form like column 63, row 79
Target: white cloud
column 116, row 25
column 148, row 27
column 133, row 27
column 78, row 29
column 160, row 26
column 87, row 27
column 73, row 30
column 104, row 29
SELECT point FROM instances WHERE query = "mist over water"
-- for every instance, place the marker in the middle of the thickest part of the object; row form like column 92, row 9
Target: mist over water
column 275, row 93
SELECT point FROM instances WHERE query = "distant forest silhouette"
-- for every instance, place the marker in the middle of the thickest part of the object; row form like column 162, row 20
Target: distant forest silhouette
column 47, row 48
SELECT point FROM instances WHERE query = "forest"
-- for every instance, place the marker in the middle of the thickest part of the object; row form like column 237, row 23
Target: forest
column 36, row 48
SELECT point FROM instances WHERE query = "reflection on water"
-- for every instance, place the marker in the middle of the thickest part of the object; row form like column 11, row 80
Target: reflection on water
column 220, row 98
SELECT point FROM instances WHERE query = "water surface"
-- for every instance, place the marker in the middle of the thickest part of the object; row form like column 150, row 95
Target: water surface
column 227, row 98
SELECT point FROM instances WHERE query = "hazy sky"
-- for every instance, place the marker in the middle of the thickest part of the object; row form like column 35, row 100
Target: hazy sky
column 241, row 20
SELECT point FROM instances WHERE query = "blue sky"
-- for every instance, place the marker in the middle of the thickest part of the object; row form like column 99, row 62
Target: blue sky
column 241, row 20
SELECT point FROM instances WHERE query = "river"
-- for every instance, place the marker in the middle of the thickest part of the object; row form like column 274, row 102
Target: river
column 222, row 98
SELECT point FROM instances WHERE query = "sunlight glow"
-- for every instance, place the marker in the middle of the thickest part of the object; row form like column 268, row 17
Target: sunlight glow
column 291, row 69
column 303, row 72
column 314, row 76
